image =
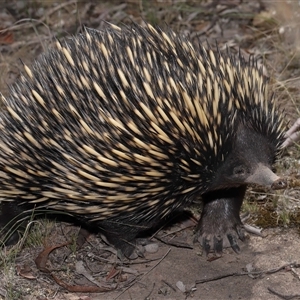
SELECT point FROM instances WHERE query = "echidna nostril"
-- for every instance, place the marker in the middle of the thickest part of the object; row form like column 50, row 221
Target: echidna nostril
column 281, row 183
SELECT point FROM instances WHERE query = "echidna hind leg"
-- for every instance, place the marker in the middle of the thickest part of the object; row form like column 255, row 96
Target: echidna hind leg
column 220, row 225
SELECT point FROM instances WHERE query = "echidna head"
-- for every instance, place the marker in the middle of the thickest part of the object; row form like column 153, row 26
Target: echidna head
column 250, row 161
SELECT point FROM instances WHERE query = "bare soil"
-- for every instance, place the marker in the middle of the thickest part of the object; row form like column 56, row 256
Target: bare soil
column 267, row 267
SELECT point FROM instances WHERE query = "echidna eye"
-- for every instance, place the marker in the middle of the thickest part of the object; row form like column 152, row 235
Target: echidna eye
column 239, row 171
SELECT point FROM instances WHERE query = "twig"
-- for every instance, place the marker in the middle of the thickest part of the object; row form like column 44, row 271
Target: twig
column 292, row 135
column 285, row 297
column 41, row 20
column 144, row 274
column 253, row 230
column 169, row 285
column 148, row 296
column 255, row 273
column 175, row 244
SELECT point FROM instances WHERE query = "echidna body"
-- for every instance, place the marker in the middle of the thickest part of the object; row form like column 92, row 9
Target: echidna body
column 121, row 127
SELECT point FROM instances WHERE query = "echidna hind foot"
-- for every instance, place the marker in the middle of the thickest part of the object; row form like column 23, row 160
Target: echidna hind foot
column 123, row 238
column 220, row 225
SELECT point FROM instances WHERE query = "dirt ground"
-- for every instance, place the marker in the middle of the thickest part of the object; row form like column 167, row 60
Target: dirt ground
column 267, row 267
column 223, row 277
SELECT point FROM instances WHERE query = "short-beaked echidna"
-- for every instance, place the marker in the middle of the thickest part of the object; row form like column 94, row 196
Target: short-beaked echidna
column 121, row 127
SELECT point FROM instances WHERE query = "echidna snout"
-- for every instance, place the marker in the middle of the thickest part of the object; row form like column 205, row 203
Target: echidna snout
column 264, row 176
column 121, row 127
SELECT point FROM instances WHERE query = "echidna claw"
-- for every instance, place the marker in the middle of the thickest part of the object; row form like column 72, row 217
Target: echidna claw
column 206, row 244
column 214, row 241
column 233, row 243
column 218, row 244
column 241, row 233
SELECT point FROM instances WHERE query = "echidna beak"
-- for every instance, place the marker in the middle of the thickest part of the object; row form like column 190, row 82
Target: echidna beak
column 265, row 177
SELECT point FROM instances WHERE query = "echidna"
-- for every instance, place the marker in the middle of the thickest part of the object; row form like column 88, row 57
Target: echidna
column 121, row 127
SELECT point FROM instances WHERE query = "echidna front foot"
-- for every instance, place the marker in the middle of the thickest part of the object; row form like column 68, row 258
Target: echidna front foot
column 220, row 225
column 225, row 237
